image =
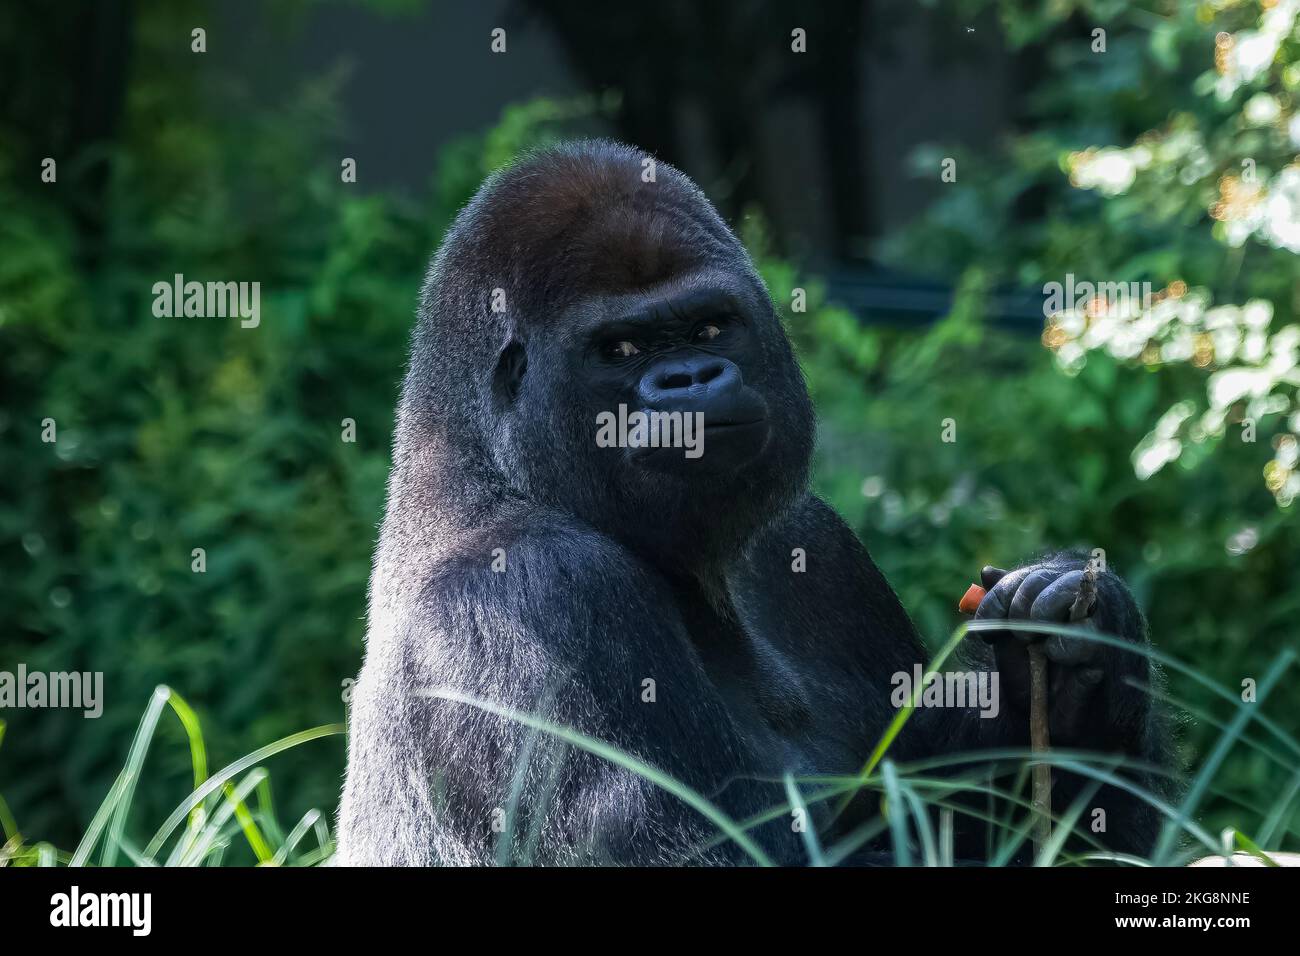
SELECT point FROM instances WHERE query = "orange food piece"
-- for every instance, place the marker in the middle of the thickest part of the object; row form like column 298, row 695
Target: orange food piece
column 971, row 599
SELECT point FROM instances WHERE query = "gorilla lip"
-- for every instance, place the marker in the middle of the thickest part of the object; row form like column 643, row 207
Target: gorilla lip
column 651, row 429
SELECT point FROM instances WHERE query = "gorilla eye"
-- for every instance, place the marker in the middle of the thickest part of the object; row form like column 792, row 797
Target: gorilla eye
column 706, row 332
column 622, row 349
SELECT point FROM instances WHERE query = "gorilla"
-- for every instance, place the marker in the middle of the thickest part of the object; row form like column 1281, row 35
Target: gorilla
column 705, row 614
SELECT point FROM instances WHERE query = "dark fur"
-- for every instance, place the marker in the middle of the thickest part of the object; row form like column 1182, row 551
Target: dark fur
column 614, row 574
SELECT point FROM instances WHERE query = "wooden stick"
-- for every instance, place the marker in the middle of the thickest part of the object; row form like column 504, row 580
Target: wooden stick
column 1039, row 743
column 1039, row 738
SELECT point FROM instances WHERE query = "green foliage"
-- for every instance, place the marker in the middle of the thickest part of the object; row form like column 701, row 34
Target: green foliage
column 1044, row 459
column 175, row 434
column 216, row 814
column 1201, row 198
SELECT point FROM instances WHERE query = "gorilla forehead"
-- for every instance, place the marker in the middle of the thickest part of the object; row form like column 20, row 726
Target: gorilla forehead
column 579, row 219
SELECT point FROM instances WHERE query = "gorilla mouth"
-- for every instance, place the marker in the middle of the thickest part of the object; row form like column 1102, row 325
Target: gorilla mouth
column 723, row 445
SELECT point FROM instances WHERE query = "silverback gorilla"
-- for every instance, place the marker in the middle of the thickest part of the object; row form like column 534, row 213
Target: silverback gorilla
column 524, row 564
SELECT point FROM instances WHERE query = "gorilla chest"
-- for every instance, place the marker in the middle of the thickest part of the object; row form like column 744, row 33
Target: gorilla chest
column 771, row 697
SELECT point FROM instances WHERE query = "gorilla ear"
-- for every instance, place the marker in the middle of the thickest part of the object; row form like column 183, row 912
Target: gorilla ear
column 509, row 374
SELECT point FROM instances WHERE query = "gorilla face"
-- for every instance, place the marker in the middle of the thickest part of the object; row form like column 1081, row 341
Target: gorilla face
column 680, row 359
column 700, row 365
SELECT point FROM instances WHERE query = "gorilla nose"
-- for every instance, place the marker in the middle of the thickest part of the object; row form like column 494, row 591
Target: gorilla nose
column 688, row 374
column 709, row 384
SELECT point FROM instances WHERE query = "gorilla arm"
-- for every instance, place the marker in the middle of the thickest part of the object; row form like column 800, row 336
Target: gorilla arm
column 851, row 618
column 568, row 632
column 1099, row 696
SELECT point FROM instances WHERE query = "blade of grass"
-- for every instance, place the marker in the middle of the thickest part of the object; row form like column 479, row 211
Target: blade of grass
column 601, row 749
column 856, row 839
column 8, row 825
column 118, row 793
column 1170, row 812
column 266, row 813
column 1173, row 663
column 901, row 718
column 248, row 826
column 1244, row 842
column 1210, row 766
column 896, row 814
column 295, row 835
column 1277, row 816
column 134, row 764
column 1206, row 718
column 506, row 838
column 198, row 751
column 134, row 855
column 191, row 853
column 312, row 857
column 808, row 831
column 929, row 848
column 1063, row 829
column 323, row 839
column 225, row 773
column 946, row 858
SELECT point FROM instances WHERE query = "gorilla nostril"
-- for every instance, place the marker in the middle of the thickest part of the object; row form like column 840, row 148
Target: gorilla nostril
column 709, row 373
column 676, row 380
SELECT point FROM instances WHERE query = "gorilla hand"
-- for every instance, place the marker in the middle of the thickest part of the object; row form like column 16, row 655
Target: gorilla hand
column 1092, row 698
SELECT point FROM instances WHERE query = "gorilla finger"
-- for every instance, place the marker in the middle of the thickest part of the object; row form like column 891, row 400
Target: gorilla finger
column 991, row 576
column 1053, row 602
column 996, row 603
column 1029, row 589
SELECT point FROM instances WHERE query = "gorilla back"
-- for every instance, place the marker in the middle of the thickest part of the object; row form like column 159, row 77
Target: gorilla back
column 537, row 557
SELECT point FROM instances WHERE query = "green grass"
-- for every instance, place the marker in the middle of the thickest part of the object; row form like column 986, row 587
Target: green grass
column 917, row 801
column 215, row 813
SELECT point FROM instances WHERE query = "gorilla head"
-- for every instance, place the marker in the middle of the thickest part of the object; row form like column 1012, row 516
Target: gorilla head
column 580, row 279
